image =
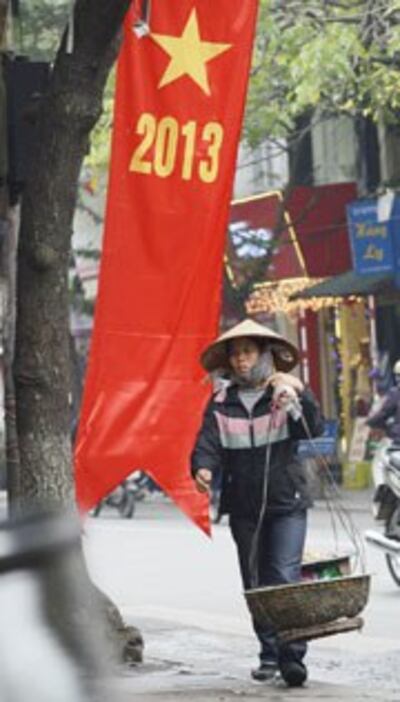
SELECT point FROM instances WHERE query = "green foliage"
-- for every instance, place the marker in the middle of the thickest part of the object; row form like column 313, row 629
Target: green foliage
column 38, row 30
column 100, row 139
column 37, row 34
column 336, row 55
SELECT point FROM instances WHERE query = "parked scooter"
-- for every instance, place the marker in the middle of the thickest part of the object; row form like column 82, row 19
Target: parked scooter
column 386, row 505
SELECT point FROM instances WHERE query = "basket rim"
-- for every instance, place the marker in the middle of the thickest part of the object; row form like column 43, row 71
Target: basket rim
column 306, row 562
column 313, row 584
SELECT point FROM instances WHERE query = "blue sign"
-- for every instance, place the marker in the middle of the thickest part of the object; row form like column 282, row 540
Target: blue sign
column 394, row 223
column 371, row 241
column 324, row 445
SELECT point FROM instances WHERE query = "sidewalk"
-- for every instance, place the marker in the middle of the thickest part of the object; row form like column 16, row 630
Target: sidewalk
column 186, row 664
column 352, row 500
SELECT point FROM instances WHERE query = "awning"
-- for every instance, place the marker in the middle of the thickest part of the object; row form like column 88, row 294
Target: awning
column 349, row 284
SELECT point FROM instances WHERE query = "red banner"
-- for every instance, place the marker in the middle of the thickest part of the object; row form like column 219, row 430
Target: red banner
column 179, row 104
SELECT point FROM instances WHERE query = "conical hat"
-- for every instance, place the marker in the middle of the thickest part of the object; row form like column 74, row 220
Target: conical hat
column 215, row 356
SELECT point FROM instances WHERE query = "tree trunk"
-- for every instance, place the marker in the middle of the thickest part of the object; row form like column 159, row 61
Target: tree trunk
column 8, row 238
column 66, row 116
column 9, row 257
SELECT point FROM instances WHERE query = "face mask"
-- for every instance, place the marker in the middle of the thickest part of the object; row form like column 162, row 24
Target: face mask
column 260, row 372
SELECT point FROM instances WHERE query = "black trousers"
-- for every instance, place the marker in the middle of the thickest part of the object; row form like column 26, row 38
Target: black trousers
column 280, row 553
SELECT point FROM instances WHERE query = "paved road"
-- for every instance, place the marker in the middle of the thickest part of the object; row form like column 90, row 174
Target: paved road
column 184, row 592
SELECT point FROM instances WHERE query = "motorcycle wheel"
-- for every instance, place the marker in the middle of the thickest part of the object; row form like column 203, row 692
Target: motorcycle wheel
column 393, row 529
column 96, row 510
column 126, row 507
column 215, row 514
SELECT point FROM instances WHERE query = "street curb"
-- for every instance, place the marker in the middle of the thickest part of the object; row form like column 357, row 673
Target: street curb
column 322, row 505
column 351, row 500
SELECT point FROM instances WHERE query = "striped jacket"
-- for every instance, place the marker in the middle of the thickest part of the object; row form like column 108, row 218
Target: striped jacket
column 235, row 441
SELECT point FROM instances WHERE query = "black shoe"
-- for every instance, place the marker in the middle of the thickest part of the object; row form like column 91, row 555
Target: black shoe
column 265, row 671
column 293, row 673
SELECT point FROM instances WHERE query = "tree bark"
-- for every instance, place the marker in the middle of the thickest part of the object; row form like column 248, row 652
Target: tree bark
column 66, row 117
column 8, row 270
column 8, row 238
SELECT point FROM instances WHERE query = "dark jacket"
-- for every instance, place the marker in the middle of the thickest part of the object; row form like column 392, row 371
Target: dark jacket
column 388, row 415
column 234, row 441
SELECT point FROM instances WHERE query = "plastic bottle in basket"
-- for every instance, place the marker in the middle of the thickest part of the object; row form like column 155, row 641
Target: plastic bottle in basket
column 330, row 572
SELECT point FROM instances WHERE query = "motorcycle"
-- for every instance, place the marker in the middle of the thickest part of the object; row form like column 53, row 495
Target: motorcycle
column 386, row 505
column 215, row 498
column 123, row 498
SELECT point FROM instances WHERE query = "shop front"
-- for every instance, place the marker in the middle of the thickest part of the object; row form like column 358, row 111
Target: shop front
column 353, row 353
column 286, row 244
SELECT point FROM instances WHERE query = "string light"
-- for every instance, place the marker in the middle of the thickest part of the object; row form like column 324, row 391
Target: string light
column 273, row 297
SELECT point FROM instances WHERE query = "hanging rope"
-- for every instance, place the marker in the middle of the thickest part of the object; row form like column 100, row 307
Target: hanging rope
column 253, row 558
column 334, row 500
column 337, row 512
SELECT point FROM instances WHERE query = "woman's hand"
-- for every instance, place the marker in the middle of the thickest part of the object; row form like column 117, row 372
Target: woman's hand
column 203, row 479
column 286, row 379
column 284, row 397
column 286, row 389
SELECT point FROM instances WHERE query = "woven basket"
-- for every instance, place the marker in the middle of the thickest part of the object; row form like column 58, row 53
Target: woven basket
column 308, row 604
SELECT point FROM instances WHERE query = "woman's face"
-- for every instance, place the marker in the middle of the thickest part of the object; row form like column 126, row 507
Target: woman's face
column 243, row 355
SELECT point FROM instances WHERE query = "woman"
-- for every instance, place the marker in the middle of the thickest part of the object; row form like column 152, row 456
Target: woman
column 251, row 427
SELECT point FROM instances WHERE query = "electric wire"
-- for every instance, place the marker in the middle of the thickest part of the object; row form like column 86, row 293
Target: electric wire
column 253, row 558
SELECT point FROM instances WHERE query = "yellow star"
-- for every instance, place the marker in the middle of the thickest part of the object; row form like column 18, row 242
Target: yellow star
column 189, row 54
